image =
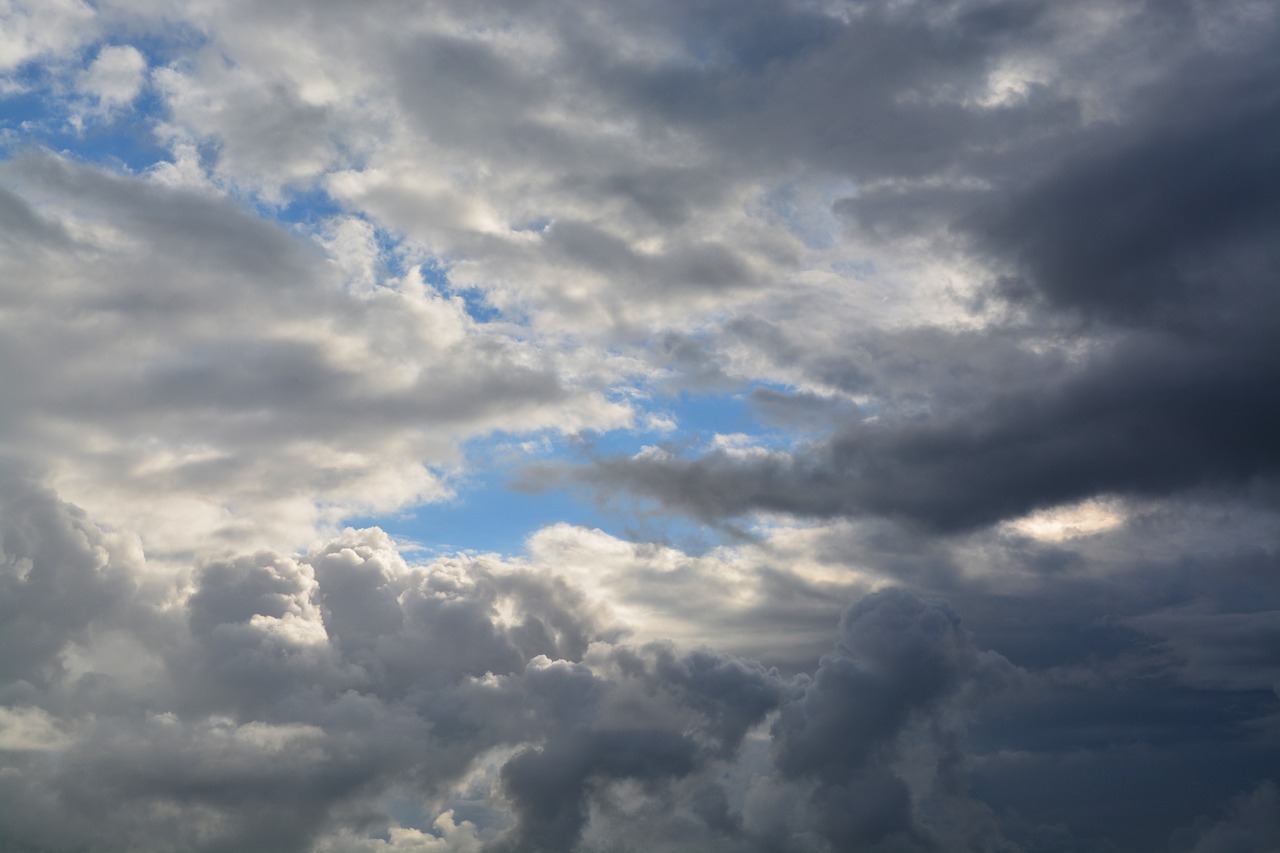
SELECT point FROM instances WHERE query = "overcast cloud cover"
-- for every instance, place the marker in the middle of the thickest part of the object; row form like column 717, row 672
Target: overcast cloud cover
column 884, row 395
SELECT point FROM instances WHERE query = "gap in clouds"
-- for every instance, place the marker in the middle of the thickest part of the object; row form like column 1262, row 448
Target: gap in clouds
column 115, row 120
column 493, row 486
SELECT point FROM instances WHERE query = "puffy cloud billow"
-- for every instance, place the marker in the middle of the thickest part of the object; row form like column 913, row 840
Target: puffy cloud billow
column 764, row 426
column 288, row 700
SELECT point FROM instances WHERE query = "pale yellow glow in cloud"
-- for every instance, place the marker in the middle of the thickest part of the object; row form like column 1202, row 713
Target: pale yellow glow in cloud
column 1071, row 521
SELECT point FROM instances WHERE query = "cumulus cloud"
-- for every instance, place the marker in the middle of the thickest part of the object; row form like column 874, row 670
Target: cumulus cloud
column 897, row 660
column 295, row 694
column 346, row 698
column 60, row 574
column 115, row 77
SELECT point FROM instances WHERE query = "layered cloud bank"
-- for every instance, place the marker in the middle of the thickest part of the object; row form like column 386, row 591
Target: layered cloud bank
column 883, row 394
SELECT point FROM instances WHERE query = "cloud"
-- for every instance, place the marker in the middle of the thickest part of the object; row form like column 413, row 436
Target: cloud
column 294, row 700
column 897, row 659
column 1164, row 214
column 729, row 593
column 279, row 669
column 1149, row 419
column 956, row 318
column 59, row 574
column 605, row 165
column 551, row 817
column 33, row 30
column 1252, row 825
column 115, row 77
column 1154, row 239
column 165, row 339
column 294, row 692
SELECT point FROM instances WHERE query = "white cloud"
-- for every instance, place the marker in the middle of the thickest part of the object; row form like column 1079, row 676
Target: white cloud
column 30, row 730
column 1069, row 522
column 772, row 600
column 176, row 345
column 34, row 28
column 115, row 77
column 448, row 837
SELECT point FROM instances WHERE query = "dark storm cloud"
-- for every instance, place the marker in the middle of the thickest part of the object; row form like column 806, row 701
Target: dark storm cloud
column 1146, row 692
column 1253, row 825
column 547, row 785
column 1154, row 245
column 897, row 659
column 1165, row 220
column 1155, row 418
column 608, row 734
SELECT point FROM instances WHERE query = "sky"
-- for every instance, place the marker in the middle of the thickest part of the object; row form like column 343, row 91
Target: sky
column 768, row 426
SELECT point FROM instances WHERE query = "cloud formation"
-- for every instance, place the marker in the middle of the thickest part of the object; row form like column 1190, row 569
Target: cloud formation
column 888, row 389
column 1151, row 249
column 286, row 697
column 160, row 340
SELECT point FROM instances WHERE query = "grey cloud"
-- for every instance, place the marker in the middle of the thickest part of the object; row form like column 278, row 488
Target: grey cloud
column 1163, row 721
column 1163, row 219
column 546, row 785
column 681, row 109
column 732, row 695
column 441, row 79
column 706, row 704
column 1138, row 797
column 759, row 100
column 1252, row 826
column 1154, row 419
column 298, row 688
column 25, row 228
column 298, row 693
column 260, row 729
column 197, row 229
column 655, row 123
column 895, row 655
column 724, row 594
column 1144, row 238
column 408, row 630
column 58, row 575
column 295, row 691
column 231, row 593
column 897, row 660
column 681, row 268
column 168, row 784
column 801, row 411
column 1238, row 651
